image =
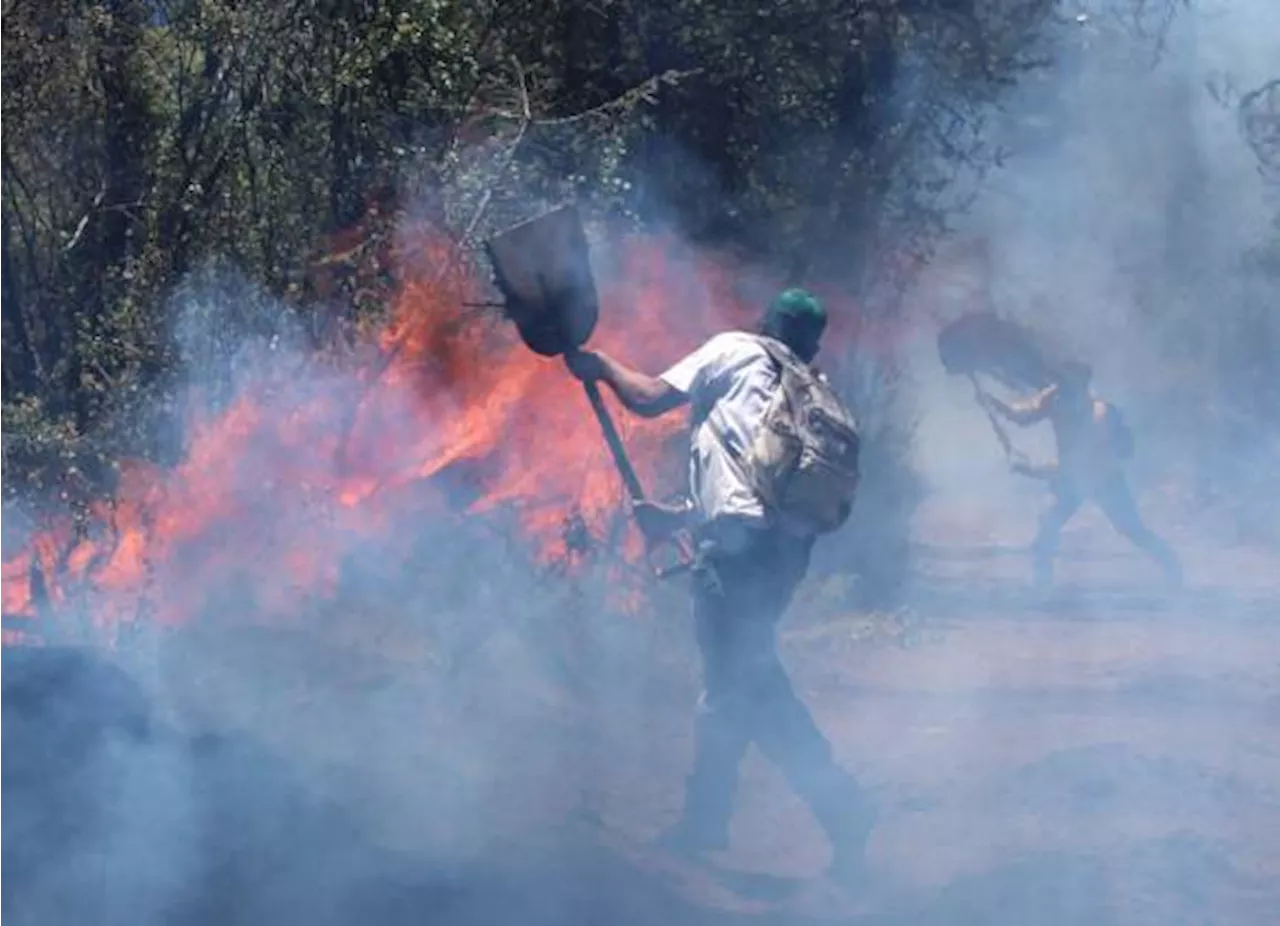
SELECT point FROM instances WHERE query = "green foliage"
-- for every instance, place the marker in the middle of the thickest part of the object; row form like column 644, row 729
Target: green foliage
column 144, row 140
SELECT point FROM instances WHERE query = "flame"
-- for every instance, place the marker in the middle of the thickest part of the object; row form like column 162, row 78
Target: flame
column 449, row 415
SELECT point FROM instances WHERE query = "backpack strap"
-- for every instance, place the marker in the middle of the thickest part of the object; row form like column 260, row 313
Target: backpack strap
column 782, row 358
column 779, row 353
column 785, row 359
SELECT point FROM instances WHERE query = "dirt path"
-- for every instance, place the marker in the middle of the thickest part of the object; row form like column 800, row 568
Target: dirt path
column 1110, row 756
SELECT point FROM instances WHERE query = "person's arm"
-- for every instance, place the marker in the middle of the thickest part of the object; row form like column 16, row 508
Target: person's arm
column 642, row 394
column 1021, row 465
column 659, row 520
column 1023, row 413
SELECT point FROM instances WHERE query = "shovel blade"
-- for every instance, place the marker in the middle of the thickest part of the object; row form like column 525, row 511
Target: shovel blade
column 981, row 342
column 543, row 269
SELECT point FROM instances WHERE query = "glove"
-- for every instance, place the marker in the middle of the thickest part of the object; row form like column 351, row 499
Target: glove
column 656, row 521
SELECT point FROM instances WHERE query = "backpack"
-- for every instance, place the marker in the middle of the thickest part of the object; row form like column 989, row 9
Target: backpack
column 803, row 461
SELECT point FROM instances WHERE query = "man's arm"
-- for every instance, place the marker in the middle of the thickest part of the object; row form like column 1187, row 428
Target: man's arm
column 1025, row 413
column 641, row 394
column 1024, row 467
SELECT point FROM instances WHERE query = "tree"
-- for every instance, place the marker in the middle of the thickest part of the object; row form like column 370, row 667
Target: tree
column 145, row 141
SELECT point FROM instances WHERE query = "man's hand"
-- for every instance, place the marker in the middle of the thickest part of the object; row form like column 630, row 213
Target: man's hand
column 657, row 521
column 586, row 365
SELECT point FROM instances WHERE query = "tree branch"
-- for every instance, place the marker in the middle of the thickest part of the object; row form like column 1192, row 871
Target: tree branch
column 641, row 92
column 84, row 220
column 458, row 249
column 526, row 119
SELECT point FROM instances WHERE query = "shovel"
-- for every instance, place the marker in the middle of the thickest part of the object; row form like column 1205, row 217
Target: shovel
column 543, row 270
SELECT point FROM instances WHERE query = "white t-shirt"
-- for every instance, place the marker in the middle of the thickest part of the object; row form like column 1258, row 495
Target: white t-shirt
column 734, row 376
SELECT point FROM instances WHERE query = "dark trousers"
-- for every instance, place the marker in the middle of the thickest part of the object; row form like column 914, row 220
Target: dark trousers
column 748, row 698
column 1117, row 503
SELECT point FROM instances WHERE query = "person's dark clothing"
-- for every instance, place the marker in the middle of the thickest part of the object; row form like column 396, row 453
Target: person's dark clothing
column 1113, row 496
column 739, row 599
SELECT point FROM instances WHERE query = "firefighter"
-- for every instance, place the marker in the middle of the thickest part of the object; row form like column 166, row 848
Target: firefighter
column 747, row 570
column 1093, row 444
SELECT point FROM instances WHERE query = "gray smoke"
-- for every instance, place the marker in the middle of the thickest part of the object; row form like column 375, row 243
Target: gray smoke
column 1119, row 228
column 460, row 735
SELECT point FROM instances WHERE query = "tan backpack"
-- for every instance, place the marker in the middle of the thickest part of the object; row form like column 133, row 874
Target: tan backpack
column 803, row 462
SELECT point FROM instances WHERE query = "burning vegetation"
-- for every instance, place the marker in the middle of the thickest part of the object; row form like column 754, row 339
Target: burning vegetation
column 450, row 416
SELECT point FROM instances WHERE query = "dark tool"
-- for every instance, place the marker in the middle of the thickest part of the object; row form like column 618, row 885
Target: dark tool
column 543, row 269
column 1001, row 436
column 1017, row 460
column 982, row 342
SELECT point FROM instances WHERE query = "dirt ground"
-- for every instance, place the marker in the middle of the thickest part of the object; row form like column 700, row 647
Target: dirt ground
column 1109, row 755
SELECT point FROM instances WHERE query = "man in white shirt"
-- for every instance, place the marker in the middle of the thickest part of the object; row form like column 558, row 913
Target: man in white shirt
column 747, row 572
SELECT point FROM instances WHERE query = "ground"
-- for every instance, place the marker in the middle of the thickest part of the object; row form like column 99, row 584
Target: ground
column 1108, row 756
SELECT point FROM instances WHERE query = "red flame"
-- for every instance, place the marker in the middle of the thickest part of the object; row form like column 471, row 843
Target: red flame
column 305, row 463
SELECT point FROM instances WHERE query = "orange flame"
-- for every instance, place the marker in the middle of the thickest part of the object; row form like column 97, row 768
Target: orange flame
column 300, row 468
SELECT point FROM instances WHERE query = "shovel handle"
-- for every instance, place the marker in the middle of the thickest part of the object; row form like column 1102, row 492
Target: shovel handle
column 682, row 544
column 616, row 448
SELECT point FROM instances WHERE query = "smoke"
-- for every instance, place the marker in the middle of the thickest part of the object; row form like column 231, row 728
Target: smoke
column 1116, row 228
column 413, row 717
column 88, row 803
column 324, row 711
column 334, row 708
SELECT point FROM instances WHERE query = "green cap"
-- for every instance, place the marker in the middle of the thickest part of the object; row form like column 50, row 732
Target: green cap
column 798, row 305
